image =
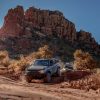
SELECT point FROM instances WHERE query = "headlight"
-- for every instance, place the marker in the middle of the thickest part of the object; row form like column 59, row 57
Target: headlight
column 27, row 72
column 41, row 71
column 64, row 69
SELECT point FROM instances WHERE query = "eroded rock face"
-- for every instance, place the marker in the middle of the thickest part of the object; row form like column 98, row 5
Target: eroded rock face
column 48, row 22
column 26, row 24
column 13, row 22
column 51, row 22
column 87, row 42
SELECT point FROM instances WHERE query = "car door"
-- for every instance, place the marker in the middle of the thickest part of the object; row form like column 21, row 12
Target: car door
column 54, row 66
column 51, row 67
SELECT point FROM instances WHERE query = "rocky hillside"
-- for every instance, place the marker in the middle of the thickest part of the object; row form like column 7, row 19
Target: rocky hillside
column 25, row 31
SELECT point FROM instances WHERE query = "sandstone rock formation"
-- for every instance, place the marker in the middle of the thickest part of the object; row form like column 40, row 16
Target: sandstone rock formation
column 51, row 22
column 26, row 27
column 87, row 42
column 48, row 22
column 12, row 22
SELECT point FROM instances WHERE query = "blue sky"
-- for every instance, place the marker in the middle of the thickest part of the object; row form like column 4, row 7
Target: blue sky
column 84, row 13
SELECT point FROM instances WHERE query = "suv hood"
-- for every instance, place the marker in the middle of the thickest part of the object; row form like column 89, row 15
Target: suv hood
column 36, row 67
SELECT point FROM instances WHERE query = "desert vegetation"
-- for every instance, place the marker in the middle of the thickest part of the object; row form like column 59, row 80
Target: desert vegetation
column 16, row 66
column 83, row 60
column 87, row 67
column 90, row 82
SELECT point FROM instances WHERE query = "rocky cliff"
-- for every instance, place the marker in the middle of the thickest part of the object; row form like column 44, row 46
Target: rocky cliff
column 17, row 22
column 28, row 29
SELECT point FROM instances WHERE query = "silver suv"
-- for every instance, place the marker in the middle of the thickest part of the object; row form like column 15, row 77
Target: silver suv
column 42, row 68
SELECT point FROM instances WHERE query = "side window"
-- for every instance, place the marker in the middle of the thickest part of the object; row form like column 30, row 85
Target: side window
column 56, row 61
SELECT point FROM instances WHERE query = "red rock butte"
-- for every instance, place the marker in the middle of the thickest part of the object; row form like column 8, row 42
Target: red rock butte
column 19, row 23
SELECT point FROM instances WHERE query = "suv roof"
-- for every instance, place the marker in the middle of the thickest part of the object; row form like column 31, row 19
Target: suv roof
column 47, row 59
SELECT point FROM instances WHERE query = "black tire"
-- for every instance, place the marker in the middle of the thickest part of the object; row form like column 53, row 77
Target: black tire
column 48, row 77
column 28, row 79
column 58, row 73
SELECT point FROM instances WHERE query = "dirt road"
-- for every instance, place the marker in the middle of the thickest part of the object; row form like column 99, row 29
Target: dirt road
column 14, row 90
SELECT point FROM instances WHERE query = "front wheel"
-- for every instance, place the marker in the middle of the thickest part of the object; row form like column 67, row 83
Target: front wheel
column 28, row 79
column 48, row 78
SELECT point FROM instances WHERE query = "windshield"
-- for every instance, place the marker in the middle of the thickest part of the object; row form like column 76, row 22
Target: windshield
column 41, row 63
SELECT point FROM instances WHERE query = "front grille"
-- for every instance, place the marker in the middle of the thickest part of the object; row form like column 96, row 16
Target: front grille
column 34, row 71
column 35, row 74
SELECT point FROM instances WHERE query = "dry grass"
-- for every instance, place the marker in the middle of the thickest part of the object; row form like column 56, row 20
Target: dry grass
column 89, row 82
column 83, row 60
column 4, row 59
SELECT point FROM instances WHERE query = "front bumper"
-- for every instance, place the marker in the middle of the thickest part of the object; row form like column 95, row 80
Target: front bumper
column 35, row 74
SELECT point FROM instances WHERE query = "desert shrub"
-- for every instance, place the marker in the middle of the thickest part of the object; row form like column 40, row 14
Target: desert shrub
column 45, row 52
column 18, row 65
column 32, row 57
column 4, row 58
column 23, row 62
column 83, row 60
column 3, row 54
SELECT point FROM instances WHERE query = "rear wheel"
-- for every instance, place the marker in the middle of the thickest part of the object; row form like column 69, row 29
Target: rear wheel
column 58, row 73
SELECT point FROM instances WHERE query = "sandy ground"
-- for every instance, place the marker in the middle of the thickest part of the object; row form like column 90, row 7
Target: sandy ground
column 14, row 90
